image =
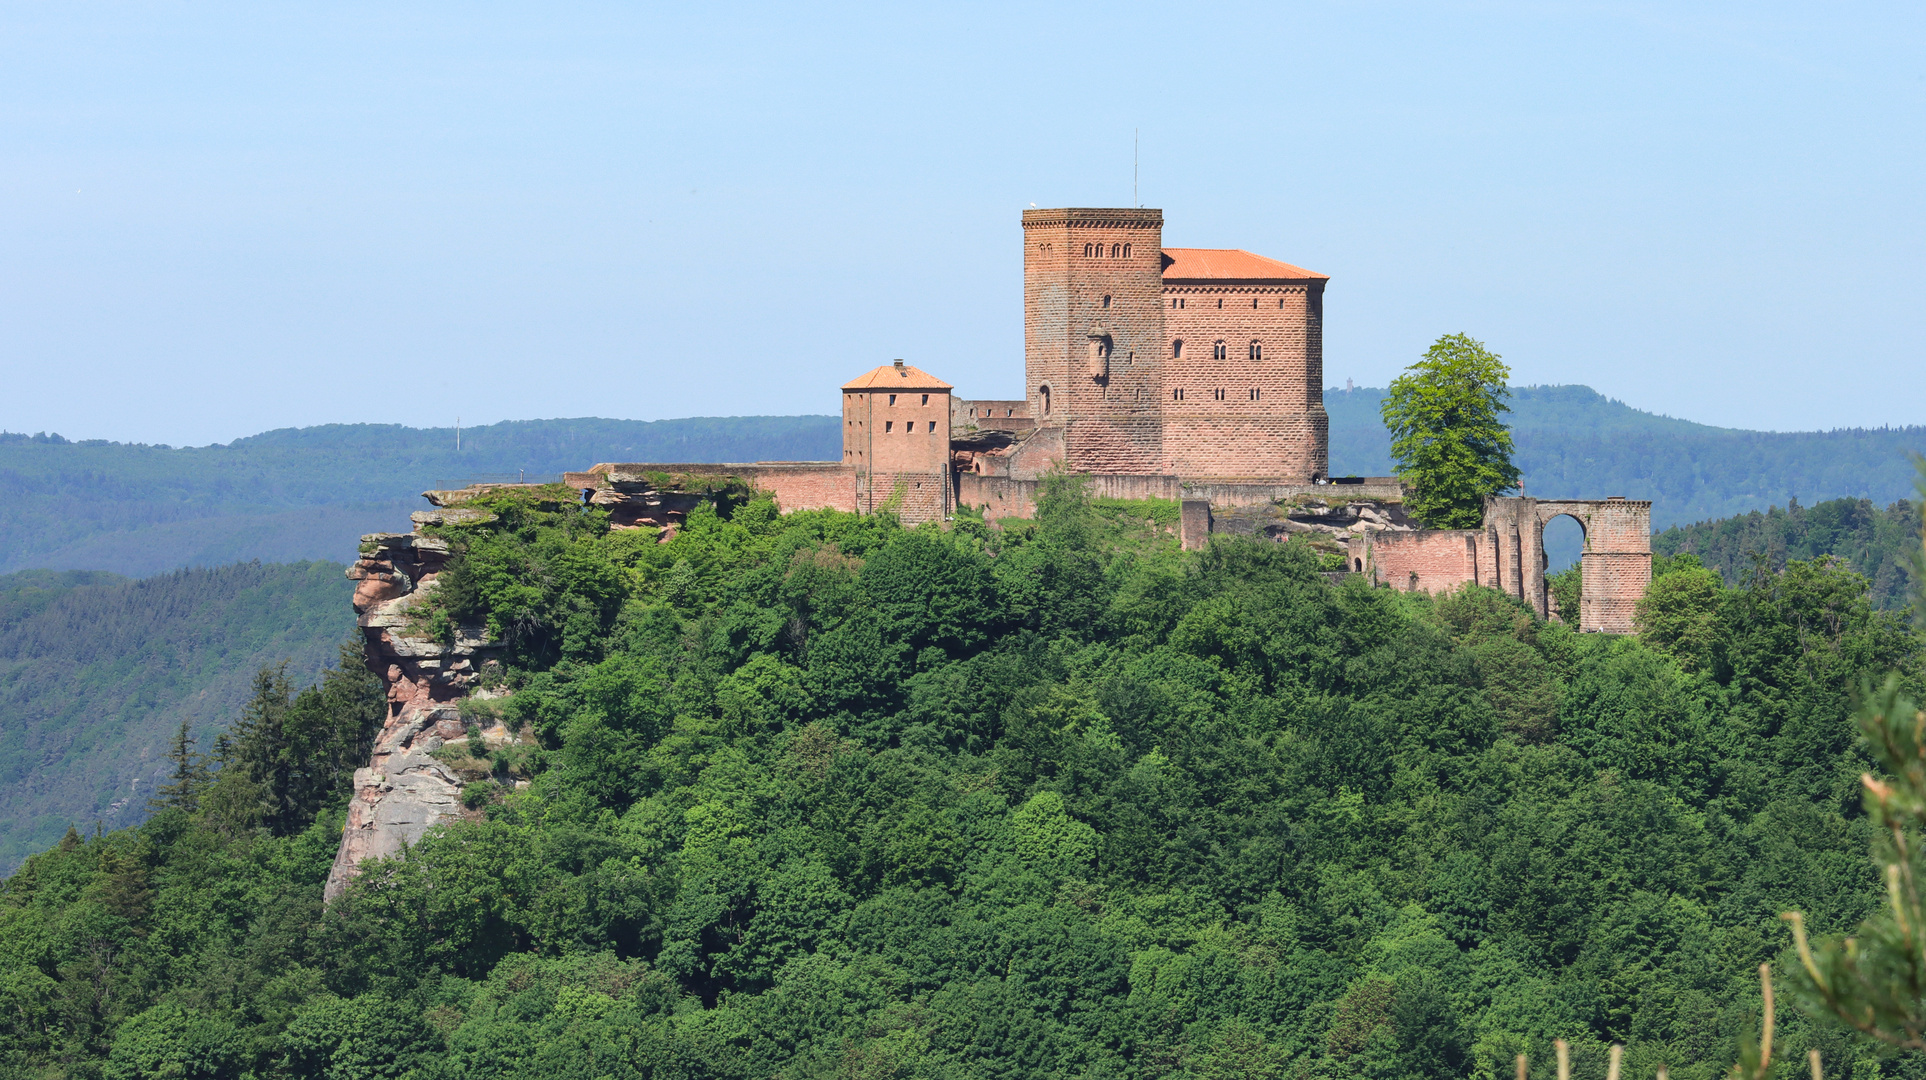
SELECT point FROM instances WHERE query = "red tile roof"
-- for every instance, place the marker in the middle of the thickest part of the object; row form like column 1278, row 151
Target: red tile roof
column 892, row 377
column 1230, row 264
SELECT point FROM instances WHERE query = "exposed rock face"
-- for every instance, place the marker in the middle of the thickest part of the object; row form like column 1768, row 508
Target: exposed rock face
column 403, row 792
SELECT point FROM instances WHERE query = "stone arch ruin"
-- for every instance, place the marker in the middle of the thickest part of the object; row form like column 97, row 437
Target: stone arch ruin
column 1508, row 554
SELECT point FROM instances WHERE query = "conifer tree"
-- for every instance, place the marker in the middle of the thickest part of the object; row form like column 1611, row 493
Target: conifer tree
column 184, row 785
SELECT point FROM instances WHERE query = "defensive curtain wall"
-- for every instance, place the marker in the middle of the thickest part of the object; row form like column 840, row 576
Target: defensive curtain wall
column 1508, row 553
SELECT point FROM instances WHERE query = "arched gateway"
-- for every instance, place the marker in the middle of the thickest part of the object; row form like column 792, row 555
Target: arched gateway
column 1508, row 554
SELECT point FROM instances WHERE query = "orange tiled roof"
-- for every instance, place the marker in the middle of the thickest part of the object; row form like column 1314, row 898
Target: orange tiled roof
column 907, row 377
column 1230, row 264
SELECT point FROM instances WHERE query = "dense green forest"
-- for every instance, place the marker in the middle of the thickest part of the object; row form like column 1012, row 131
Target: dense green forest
column 96, row 671
column 1873, row 541
column 819, row 796
column 310, row 493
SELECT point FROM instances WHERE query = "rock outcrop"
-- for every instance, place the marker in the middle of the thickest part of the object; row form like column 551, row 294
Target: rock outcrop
column 404, row 791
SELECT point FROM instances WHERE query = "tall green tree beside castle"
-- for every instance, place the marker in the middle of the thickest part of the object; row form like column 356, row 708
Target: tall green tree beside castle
column 1446, row 434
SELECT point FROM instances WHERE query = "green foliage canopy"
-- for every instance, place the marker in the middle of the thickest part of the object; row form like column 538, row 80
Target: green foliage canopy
column 1085, row 805
column 1447, row 436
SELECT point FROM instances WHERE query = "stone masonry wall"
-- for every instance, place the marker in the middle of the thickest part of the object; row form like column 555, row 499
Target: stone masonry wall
column 1258, row 410
column 1433, row 561
column 1093, row 333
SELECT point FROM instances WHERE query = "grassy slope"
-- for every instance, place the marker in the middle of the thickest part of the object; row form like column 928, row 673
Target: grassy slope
column 97, row 671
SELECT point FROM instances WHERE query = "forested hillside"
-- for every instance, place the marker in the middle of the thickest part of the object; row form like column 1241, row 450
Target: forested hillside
column 96, row 672
column 815, row 796
column 310, row 493
column 1872, row 541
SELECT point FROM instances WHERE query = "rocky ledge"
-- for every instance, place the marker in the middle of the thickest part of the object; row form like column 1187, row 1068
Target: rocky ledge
column 404, row 791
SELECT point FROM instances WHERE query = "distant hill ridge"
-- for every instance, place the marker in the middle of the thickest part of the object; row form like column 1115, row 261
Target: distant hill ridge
column 308, row 493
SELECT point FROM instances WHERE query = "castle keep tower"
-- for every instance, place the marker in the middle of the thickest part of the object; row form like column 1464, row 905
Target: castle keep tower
column 1093, row 334
column 896, row 437
column 1243, row 393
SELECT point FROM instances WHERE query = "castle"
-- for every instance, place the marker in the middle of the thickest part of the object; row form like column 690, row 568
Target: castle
column 1151, row 370
column 1172, row 373
column 1190, row 374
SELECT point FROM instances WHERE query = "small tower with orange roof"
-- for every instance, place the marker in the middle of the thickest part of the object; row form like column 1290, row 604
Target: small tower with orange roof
column 896, row 435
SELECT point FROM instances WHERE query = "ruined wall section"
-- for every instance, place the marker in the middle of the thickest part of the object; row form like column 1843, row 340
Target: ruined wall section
column 1093, row 334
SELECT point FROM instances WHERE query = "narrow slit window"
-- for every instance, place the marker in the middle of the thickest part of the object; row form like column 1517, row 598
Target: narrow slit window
column 1177, row 349
column 1257, row 350
column 1220, row 351
column 1256, row 394
column 1126, row 251
column 889, row 425
column 1106, row 301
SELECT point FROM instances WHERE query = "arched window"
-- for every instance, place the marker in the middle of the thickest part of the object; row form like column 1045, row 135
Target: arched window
column 1116, row 250
column 1220, row 351
column 1086, row 251
column 1176, row 395
column 1126, row 251
column 1044, row 393
column 1177, row 349
column 1106, row 301
column 1257, row 350
column 1360, row 565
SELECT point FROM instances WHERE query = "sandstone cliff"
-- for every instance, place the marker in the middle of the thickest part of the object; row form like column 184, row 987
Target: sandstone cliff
column 404, row 791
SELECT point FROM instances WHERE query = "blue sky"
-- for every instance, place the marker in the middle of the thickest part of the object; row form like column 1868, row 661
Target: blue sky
column 221, row 218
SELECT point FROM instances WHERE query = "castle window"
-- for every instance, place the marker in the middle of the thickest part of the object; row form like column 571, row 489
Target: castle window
column 1253, row 303
column 889, row 425
column 1360, row 565
column 932, row 425
column 1257, row 350
column 892, row 399
column 1044, row 392
column 1218, row 394
column 1280, row 303
column 1220, row 301
column 1009, row 412
column 1220, row 351
column 926, row 399
column 1176, row 395
column 1106, row 301
column 1256, row 394
column 1116, row 250
column 1086, row 251
column 1177, row 349
column 1126, row 251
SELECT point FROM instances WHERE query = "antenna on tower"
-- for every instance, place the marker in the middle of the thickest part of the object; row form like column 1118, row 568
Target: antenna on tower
column 1133, row 170
column 457, row 434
